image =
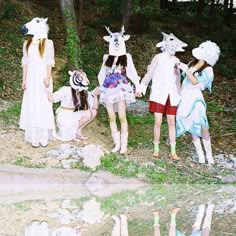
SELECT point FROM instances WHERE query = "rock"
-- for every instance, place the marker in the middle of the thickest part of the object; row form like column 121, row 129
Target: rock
column 91, row 212
column 52, row 153
column 91, row 155
column 67, row 204
column 66, row 164
column 227, row 178
column 140, row 107
column 66, row 231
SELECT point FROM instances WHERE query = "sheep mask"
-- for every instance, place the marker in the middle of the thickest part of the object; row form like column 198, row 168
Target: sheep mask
column 37, row 27
column 79, row 80
column 207, row 51
column 171, row 44
column 116, row 42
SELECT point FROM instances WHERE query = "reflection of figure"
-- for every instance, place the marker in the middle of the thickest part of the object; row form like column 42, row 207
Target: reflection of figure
column 77, row 109
column 196, row 226
column 120, row 227
column 36, row 117
column 191, row 114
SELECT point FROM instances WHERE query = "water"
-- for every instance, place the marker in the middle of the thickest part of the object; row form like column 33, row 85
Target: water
column 89, row 210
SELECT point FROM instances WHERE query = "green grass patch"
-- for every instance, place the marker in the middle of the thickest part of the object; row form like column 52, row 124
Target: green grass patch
column 11, row 115
column 27, row 162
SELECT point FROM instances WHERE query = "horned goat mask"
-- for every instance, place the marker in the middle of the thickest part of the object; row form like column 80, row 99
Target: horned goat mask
column 37, row 27
column 171, row 44
column 116, row 42
column 207, row 51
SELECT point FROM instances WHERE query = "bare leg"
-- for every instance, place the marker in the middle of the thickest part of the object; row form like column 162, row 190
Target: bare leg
column 172, row 135
column 207, row 145
column 156, row 225
column 172, row 230
column 157, row 132
column 121, row 106
column 86, row 120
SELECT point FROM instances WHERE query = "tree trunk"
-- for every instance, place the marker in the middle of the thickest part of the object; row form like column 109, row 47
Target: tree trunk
column 164, row 4
column 127, row 13
column 72, row 37
column 78, row 4
column 198, row 16
column 229, row 13
column 211, row 16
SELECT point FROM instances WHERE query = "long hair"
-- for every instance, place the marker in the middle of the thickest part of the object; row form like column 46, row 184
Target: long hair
column 80, row 99
column 41, row 46
column 194, row 62
column 122, row 60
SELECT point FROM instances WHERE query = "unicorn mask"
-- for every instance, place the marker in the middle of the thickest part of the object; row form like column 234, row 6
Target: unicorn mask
column 207, row 51
column 78, row 80
column 37, row 27
column 171, row 44
column 116, row 42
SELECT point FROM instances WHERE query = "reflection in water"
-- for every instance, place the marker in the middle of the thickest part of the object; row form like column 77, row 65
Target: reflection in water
column 202, row 207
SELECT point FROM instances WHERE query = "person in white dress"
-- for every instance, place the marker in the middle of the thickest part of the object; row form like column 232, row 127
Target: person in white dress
column 165, row 91
column 116, row 91
column 78, row 107
column 191, row 113
column 36, row 118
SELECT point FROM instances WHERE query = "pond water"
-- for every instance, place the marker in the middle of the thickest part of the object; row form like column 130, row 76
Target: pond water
column 90, row 212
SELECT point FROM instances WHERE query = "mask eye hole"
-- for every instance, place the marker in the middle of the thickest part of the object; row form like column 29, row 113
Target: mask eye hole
column 37, row 21
column 171, row 39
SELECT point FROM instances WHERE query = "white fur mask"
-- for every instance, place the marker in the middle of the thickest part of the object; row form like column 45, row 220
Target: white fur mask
column 37, row 27
column 171, row 44
column 116, row 42
column 207, row 51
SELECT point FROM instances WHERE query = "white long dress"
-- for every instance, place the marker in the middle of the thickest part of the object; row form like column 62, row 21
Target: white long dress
column 67, row 119
column 191, row 112
column 36, row 118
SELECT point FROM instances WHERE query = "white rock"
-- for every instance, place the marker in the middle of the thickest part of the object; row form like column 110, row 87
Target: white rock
column 67, row 204
column 52, row 153
column 66, row 164
column 37, row 228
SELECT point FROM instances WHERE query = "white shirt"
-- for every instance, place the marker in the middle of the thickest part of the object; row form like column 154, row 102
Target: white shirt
column 164, row 80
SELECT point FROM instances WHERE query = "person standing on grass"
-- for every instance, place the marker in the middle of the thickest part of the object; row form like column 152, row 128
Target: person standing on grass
column 116, row 91
column 191, row 114
column 165, row 90
column 36, row 118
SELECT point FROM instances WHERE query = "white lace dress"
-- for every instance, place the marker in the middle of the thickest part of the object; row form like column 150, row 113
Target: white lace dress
column 68, row 120
column 36, row 118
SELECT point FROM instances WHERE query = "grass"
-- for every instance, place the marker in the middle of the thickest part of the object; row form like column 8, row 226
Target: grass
column 11, row 115
column 27, row 162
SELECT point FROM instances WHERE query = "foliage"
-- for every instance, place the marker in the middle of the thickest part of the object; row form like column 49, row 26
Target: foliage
column 72, row 42
column 11, row 115
column 27, row 162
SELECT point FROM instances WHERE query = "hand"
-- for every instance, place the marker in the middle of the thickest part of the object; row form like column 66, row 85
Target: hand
column 23, row 85
column 182, row 66
column 96, row 91
column 47, row 83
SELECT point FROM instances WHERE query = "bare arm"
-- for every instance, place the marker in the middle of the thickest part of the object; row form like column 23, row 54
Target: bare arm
column 25, row 67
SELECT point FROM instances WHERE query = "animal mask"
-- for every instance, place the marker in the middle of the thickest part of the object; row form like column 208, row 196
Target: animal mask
column 37, row 27
column 116, row 42
column 207, row 51
column 78, row 80
column 171, row 44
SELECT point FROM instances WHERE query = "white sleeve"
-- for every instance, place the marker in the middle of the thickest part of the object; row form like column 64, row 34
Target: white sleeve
column 59, row 95
column 49, row 53
column 131, row 71
column 102, row 72
column 25, row 58
column 150, row 71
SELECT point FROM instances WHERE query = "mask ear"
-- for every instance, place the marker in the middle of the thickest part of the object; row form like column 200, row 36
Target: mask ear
column 107, row 38
column 70, row 72
column 45, row 20
column 126, row 37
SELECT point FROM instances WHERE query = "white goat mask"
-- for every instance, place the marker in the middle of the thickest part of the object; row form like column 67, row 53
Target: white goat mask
column 207, row 51
column 116, row 42
column 171, row 44
column 37, row 27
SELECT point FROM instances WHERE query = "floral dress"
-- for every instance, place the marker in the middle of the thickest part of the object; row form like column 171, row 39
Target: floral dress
column 114, row 83
column 191, row 112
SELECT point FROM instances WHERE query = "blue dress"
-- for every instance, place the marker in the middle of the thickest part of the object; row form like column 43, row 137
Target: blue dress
column 191, row 112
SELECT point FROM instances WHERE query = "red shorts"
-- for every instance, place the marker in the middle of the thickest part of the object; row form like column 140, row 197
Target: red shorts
column 164, row 109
